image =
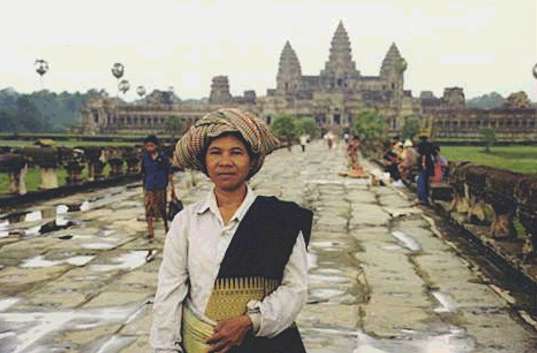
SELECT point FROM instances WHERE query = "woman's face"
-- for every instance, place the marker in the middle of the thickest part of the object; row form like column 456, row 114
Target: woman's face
column 228, row 162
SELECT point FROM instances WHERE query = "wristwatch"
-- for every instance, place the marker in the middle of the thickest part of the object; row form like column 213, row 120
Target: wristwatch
column 254, row 313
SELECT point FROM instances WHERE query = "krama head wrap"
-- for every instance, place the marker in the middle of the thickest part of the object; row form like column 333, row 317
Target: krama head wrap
column 191, row 148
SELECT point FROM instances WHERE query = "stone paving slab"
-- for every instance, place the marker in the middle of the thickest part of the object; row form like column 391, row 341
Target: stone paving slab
column 381, row 281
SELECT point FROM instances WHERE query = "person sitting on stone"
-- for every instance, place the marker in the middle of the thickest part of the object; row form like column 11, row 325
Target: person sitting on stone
column 408, row 161
column 234, row 267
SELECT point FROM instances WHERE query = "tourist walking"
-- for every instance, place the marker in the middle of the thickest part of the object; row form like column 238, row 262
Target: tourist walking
column 304, row 141
column 156, row 176
column 425, row 167
column 234, row 267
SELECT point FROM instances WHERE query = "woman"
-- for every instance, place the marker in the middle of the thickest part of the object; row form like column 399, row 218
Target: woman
column 234, row 269
column 408, row 163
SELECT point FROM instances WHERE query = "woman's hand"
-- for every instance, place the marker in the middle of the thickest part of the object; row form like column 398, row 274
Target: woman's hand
column 229, row 333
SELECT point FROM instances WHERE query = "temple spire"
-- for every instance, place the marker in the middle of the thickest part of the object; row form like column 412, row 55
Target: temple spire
column 289, row 70
column 340, row 58
column 393, row 61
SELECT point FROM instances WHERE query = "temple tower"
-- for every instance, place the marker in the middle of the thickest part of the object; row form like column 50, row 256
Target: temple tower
column 340, row 66
column 289, row 71
column 220, row 93
column 393, row 69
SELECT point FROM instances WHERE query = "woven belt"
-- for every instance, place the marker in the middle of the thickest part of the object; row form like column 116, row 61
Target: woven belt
column 231, row 295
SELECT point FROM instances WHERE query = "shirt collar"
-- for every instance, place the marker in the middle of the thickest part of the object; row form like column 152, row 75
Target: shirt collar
column 210, row 204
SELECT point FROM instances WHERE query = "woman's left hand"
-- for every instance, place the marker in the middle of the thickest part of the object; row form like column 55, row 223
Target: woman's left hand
column 229, row 333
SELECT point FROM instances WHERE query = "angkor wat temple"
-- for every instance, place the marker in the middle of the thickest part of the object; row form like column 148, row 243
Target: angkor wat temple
column 334, row 98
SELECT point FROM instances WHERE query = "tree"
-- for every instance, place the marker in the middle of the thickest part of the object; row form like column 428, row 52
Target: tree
column 371, row 129
column 518, row 100
column 488, row 137
column 369, row 126
column 410, row 128
column 284, row 128
column 174, row 126
column 308, row 126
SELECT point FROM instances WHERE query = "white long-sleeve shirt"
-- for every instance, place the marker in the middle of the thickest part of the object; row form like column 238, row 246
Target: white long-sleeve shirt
column 194, row 249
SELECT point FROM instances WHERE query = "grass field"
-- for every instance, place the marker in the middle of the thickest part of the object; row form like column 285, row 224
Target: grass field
column 67, row 143
column 522, row 159
column 33, row 178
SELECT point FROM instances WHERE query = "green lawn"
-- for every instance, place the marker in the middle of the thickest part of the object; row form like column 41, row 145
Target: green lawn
column 33, row 178
column 522, row 159
column 67, row 143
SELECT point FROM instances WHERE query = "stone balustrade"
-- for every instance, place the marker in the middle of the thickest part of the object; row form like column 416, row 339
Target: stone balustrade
column 499, row 199
column 15, row 163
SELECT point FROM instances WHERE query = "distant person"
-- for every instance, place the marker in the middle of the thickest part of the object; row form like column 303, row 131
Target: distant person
column 156, row 176
column 440, row 166
column 352, row 150
column 425, row 167
column 408, row 161
column 391, row 165
column 346, row 138
column 304, row 141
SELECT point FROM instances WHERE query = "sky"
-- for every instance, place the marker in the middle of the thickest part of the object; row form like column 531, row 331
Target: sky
column 480, row 45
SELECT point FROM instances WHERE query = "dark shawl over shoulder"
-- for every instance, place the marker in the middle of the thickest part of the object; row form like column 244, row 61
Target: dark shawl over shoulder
column 261, row 247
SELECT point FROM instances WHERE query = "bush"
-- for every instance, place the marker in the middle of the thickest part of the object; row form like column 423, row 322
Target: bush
column 284, row 128
column 488, row 137
column 410, row 128
column 308, row 126
column 371, row 129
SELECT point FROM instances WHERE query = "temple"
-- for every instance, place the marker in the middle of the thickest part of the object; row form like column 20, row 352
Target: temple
column 334, row 98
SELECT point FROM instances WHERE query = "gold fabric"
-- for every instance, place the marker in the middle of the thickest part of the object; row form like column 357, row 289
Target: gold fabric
column 195, row 332
column 228, row 299
column 231, row 295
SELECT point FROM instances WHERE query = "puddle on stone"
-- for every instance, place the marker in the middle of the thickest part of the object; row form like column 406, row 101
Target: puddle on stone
column 407, row 241
column 6, row 303
column 447, row 304
column 98, row 246
column 40, row 261
column 453, row 341
column 33, row 216
column 26, row 332
column 114, row 344
column 392, row 247
column 126, row 261
column 321, row 295
column 4, row 228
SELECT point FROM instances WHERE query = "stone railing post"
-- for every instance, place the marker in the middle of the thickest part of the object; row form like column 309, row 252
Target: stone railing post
column 457, row 180
column 526, row 195
column 476, row 180
column 500, row 194
column 132, row 157
column 74, row 164
column 16, row 166
column 95, row 161
column 115, row 159
column 47, row 159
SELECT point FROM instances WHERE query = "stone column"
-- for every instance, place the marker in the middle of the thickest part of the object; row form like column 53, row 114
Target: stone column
column 526, row 195
column 15, row 165
column 500, row 194
column 48, row 163
column 93, row 156
column 115, row 159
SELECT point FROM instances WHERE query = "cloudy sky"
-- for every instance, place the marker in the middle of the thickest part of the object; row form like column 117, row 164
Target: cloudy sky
column 481, row 45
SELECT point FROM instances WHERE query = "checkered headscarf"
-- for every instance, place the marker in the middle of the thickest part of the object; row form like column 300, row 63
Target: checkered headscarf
column 190, row 149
